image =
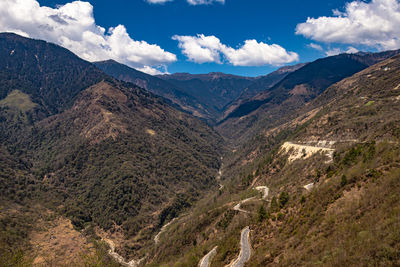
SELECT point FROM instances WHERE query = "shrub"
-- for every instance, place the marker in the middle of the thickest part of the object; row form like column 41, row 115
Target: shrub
column 283, row 199
column 262, row 214
column 343, row 181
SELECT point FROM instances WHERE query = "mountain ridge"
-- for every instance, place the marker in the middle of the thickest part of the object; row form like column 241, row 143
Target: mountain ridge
column 296, row 89
column 110, row 156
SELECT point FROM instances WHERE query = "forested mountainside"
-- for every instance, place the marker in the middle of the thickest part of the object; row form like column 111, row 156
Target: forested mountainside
column 79, row 145
column 329, row 182
column 298, row 88
column 158, row 86
column 95, row 171
column 207, row 96
column 52, row 76
column 213, row 90
column 260, row 85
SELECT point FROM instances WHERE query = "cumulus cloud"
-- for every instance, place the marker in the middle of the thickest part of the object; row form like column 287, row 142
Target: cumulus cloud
column 337, row 51
column 352, row 50
column 333, row 52
column 157, row 1
column 204, row 2
column 73, row 26
column 202, row 49
column 375, row 24
column 190, row 2
column 315, row 46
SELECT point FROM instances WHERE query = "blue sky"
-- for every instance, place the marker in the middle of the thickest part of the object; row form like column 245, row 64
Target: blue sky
column 177, row 36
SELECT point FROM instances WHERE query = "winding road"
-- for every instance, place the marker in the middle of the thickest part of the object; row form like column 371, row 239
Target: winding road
column 237, row 206
column 265, row 191
column 206, row 260
column 245, row 251
column 119, row 258
column 308, row 187
column 157, row 237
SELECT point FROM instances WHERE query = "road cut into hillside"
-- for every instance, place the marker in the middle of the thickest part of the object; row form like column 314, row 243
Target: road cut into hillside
column 119, row 258
column 245, row 249
column 206, row 260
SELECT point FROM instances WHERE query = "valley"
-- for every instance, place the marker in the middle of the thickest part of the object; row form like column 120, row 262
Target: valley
column 104, row 165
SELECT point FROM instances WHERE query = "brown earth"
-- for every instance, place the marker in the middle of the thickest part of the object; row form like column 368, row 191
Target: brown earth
column 59, row 244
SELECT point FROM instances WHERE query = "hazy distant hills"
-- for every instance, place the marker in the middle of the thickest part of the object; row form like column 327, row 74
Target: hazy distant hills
column 215, row 90
column 203, row 95
column 207, row 96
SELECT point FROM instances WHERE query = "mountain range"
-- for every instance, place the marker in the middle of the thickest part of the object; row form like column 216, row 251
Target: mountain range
column 207, row 96
column 93, row 148
column 103, row 165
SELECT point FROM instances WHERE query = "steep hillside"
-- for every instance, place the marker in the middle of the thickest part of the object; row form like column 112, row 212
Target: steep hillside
column 213, row 90
column 208, row 96
column 51, row 75
column 122, row 158
column 355, row 196
column 298, row 88
column 333, row 186
column 155, row 85
column 112, row 158
column 261, row 84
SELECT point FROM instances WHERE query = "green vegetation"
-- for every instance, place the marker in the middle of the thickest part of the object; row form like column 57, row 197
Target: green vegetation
column 84, row 151
column 262, row 214
column 351, row 215
column 343, row 181
column 112, row 157
column 370, row 103
column 18, row 100
column 283, row 199
column 347, row 215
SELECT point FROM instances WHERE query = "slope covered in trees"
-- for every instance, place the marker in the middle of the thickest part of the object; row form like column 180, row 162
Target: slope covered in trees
column 282, row 100
column 158, row 86
column 106, row 154
column 322, row 209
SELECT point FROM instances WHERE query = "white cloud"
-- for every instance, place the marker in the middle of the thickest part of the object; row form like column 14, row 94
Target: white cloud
column 315, row 46
column 73, row 26
column 333, row 52
column 151, row 71
column 190, row 2
column 254, row 53
column 204, row 2
column 202, row 49
column 337, row 51
column 158, row 1
column 352, row 50
column 375, row 24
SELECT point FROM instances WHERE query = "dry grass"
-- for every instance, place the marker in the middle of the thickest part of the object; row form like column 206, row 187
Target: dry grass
column 58, row 243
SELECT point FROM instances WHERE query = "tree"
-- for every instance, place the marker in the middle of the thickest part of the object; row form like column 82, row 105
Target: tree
column 343, row 181
column 274, row 204
column 262, row 214
column 283, row 199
